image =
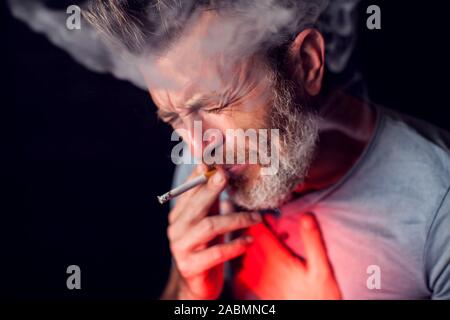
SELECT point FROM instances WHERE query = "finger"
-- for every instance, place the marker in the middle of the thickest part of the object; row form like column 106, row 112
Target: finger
column 198, row 207
column 200, row 203
column 216, row 255
column 226, row 207
column 267, row 242
column 314, row 245
column 212, row 227
column 183, row 198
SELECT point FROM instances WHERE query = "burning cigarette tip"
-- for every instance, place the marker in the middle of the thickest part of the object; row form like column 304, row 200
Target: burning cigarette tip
column 164, row 198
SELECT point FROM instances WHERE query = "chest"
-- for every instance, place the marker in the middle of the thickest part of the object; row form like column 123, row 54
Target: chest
column 375, row 255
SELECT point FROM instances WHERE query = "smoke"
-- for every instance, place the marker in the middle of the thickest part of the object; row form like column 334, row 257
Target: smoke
column 84, row 46
column 338, row 23
column 254, row 24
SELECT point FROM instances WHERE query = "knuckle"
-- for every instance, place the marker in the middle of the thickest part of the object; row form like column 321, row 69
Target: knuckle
column 171, row 217
column 218, row 254
column 177, row 247
column 183, row 267
column 244, row 219
column 187, row 268
column 236, row 221
column 208, row 225
column 171, row 232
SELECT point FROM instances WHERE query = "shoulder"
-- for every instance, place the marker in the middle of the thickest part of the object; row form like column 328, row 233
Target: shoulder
column 413, row 153
column 404, row 175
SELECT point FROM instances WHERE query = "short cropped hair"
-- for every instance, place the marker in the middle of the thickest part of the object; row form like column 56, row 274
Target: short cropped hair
column 138, row 24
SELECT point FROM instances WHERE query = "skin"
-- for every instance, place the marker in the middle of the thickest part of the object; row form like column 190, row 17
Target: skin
column 267, row 258
column 195, row 229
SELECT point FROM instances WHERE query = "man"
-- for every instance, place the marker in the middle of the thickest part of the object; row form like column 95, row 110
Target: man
column 359, row 207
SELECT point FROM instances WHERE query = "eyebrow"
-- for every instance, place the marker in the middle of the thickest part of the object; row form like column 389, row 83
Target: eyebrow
column 197, row 101
column 165, row 115
column 200, row 100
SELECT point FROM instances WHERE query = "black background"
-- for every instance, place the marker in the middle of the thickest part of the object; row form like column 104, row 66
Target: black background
column 84, row 155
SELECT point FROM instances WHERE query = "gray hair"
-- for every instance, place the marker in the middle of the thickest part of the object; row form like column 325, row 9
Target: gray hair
column 141, row 24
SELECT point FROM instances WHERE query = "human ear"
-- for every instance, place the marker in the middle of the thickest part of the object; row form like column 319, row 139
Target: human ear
column 307, row 56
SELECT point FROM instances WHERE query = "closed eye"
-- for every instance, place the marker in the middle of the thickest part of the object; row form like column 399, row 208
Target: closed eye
column 215, row 110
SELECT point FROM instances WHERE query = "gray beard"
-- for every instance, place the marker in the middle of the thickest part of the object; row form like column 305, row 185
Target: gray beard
column 299, row 132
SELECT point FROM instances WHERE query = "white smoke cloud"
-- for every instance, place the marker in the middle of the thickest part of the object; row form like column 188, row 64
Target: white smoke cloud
column 84, row 45
column 238, row 35
column 339, row 24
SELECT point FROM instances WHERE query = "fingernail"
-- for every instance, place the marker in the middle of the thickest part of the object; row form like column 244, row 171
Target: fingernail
column 218, row 179
column 256, row 216
column 248, row 239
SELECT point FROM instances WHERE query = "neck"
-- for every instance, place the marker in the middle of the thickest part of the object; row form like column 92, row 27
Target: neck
column 346, row 127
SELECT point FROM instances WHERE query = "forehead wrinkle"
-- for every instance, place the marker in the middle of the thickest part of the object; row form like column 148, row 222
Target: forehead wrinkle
column 169, row 100
column 162, row 99
column 202, row 98
column 171, row 108
column 165, row 115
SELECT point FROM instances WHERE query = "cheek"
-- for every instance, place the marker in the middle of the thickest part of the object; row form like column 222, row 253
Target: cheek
column 218, row 121
column 256, row 119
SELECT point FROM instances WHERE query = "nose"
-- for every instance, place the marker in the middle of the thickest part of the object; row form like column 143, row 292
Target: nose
column 196, row 144
column 194, row 138
column 204, row 148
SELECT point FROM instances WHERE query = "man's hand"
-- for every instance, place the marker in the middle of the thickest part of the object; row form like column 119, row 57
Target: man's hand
column 271, row 271
column 195, row 233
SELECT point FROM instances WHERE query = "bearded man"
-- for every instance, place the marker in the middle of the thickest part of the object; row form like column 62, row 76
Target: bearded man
column 358, row 207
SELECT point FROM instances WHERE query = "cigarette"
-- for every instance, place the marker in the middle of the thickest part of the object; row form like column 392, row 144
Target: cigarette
column 185, row 186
